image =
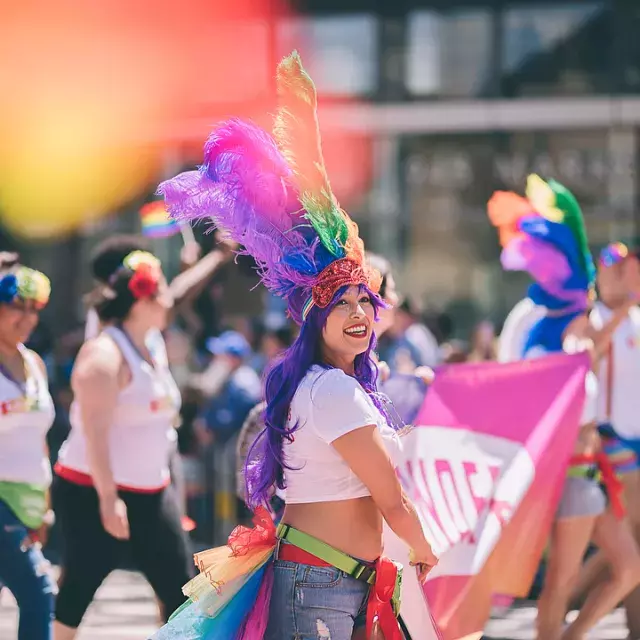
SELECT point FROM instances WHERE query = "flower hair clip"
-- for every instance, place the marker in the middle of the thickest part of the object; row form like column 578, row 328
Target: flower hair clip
column 145, row 270
column 27, row 284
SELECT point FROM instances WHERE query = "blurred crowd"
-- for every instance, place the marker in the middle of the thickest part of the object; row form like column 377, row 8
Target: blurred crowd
column 219, row 361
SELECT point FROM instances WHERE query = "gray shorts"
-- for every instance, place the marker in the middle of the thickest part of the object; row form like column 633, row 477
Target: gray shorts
column 581, row 497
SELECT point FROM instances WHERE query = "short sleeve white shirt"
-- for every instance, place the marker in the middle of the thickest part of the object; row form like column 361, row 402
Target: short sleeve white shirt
column 327, row 405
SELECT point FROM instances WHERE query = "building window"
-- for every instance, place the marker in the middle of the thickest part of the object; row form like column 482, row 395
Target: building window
column 561, row 49
column 449, row 54
column 339, row 52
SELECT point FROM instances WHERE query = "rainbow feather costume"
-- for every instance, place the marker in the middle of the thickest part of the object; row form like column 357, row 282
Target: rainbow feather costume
column 271, row 194
column 544, row 235
column 229, row 599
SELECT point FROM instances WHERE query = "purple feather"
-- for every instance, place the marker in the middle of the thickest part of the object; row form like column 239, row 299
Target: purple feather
column 243, row 186
column 544, row 263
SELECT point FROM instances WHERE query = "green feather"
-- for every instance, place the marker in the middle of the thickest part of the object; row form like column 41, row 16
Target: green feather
column 297, row 133
column 573, row 218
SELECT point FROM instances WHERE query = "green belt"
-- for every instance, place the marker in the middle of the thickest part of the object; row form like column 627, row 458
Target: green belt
column 338, row 559
column 587, row 471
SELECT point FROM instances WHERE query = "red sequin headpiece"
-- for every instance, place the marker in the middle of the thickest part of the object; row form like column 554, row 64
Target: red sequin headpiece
column 338, row 274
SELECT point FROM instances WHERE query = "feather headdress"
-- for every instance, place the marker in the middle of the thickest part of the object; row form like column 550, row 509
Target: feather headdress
column 271, row 194
column 544, row 235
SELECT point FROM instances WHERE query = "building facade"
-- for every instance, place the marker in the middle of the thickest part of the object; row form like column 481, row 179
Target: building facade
column 460, row 98
column 429, row 106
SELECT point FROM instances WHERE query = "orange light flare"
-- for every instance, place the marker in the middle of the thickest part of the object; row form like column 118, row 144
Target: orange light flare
column 96, row 93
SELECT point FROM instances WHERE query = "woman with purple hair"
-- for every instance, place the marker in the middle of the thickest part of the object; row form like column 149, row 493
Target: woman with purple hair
column 327, row 438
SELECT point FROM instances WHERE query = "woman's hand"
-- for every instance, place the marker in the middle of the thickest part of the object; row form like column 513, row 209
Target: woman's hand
column 113, row 513
column 190, row 254
column 384, row 373
column 426, row 374
column 424, row 563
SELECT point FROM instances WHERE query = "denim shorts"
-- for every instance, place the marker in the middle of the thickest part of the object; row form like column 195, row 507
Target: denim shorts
column 315, row 603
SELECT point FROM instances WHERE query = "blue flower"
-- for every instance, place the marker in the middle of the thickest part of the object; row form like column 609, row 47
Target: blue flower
column 8, row 288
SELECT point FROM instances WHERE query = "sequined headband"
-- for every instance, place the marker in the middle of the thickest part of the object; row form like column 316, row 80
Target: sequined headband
column 339, row 274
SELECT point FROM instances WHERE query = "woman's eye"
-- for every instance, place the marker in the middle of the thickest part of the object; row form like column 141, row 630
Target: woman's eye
column 365, row 300
column 342, row 302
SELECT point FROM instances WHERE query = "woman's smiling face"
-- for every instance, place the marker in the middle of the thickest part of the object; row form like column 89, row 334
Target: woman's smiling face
column 348, row 329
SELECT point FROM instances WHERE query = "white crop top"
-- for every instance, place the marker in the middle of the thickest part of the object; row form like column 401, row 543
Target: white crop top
column 142, row 433
column 25, row 417
column 327, row 405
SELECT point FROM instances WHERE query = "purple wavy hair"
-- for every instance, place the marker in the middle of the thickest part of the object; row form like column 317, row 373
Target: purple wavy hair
column 265, row 462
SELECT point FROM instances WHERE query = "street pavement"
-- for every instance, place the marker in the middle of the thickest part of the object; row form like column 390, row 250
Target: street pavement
column 124, row 609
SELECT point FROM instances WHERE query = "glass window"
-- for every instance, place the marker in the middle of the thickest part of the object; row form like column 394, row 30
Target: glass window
column 449, row 54
column 631, row 49
column 562, row 49
column 339, row 52
column 450, row 252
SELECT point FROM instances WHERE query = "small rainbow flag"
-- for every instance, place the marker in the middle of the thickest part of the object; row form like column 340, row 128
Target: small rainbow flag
column 156, row 222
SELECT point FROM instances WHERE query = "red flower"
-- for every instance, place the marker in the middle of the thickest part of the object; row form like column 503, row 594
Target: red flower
column 144, row 282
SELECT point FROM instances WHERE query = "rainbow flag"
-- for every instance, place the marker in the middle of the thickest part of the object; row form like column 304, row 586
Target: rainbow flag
column 156, row 222
column 485, row 467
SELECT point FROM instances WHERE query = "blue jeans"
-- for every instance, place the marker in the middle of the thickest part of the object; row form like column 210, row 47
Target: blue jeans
column 315, row 603
column 27, row 574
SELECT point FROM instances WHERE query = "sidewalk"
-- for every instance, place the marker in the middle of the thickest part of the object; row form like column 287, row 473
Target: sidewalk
column 518, row 624
column 124, row 609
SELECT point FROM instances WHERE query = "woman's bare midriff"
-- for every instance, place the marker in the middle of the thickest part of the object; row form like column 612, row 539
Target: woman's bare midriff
column 352, row 526
column 588, row 441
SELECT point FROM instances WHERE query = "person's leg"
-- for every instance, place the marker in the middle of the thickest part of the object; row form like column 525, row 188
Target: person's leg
column 160, row 546
column 568, row 544
column 631, row 484
column 596, row 569
column 618, row 546
column 89, row 554
column 582, row 501
column 314, row 603
column 27, row 574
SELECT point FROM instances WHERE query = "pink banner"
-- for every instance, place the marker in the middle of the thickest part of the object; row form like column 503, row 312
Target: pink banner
column 485, row 468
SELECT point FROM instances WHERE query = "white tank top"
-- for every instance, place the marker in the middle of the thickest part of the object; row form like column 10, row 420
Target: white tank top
column 619, row 375
column 25, row 417
column 142, row 433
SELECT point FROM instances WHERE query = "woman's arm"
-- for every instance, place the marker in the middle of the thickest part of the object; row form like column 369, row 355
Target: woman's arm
column 363, row 450
column 49, row 516
column 581, row 334
column 190, row 283
column 96, row 382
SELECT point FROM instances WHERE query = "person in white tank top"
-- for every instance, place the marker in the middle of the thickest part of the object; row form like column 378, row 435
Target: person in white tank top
column 618, row 404
column 195, row 274
column 26, row 414
column 545, row 236
column 112, row 476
